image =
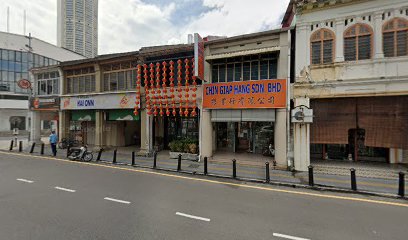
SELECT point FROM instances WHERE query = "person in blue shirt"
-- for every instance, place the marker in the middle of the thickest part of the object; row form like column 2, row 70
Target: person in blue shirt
column 53, row 142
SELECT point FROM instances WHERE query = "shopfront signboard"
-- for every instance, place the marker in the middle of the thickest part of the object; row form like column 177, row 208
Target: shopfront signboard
column 44, row 103
column 105, row 101
column 245, row 94
column 198, row 56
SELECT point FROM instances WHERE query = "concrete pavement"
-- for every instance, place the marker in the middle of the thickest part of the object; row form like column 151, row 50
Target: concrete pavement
column 38, row 210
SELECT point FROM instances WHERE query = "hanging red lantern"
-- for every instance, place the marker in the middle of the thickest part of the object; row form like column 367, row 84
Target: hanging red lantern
column 174, row 111
column 186, row 112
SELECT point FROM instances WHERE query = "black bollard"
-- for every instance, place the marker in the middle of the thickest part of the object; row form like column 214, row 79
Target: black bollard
column 353, row 179
column 154, row 160
column 234, row 168
column 68, row 151
column 32, row 147
column 114, row 156
column 133, row 158
column 179, row 163
column 311, row 178
column 205, row 166
column 42, row 149
column 401, row 184
column 267, row 175
column 20, row 146
column 11, row 145
column 98, row 158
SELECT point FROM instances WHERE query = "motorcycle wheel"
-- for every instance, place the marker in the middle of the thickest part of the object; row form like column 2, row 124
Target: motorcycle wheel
column 88, row 157
column 62, row 145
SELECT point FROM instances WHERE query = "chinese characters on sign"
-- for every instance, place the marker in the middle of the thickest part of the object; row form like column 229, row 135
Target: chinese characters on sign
column 249, row 94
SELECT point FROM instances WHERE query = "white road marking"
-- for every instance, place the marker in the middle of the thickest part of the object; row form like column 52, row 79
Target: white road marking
column 24, row 180
column 193, row 217
column 288, row 237
column 65, row 189
column 116, row 200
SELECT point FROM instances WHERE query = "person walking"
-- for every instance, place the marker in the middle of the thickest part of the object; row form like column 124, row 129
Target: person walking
column 53, row 142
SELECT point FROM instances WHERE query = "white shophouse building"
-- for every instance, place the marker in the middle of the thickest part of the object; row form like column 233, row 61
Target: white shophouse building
column 352, row 70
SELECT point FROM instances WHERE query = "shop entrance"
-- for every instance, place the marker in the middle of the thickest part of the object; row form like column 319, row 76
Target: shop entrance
column 244, row 137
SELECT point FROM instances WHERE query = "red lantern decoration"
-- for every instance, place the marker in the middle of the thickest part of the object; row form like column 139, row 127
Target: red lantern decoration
column 174, row 111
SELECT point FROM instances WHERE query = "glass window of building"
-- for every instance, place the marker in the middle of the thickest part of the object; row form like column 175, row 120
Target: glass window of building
column 395, row 38
column 119, row 76
column 47, row 83
column 358, row 42
column 80, row 80
column 254, row 67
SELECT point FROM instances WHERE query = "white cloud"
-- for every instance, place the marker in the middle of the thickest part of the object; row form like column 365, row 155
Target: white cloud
column 127, row 25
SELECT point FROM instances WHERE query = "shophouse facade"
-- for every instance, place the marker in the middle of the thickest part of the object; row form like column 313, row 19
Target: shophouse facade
column 100, row 95
column 245, row 96
column 352, row 70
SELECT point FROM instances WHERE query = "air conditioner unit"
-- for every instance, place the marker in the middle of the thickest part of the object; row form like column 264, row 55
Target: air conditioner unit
column 302, row 114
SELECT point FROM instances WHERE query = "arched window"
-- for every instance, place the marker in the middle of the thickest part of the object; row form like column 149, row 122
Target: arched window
column 358, row 42
column 395, row 37
column 322, row 42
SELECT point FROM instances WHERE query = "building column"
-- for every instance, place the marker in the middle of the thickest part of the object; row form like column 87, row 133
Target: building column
column 99, row 129
column 302, row 54
column 378, row 36
column 35, row 131
column 301, row 137
column 206, row 134
column 339, row 40
column 64, row 120
column 144, row 141
column 280, row 138
column 396, row 155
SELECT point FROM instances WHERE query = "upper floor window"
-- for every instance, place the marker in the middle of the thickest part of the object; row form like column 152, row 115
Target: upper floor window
column 322, row 42
column 358, row 42
column 395, row 38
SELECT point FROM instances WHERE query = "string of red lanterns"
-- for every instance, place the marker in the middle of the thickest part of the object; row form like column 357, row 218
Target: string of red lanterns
column 161, row 88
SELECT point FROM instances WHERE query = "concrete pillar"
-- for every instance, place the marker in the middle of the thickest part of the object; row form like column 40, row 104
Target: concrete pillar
column 280, row 138
column 35, row 131
column 100, row 133
column 144, row 141
column 378, row 37
column 98, row 78
column 396, row 155
column 302, row 47
column 339, row 40
column 64, row 121
column 206, row 134
column 301, row 137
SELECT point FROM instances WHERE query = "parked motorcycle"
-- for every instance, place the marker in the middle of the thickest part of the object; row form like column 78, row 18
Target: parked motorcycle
column 268, row 151
column 80, row 153
column 67, row 143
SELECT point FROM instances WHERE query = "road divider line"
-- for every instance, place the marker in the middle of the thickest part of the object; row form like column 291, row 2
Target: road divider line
column 193, row 217
column 242, row 185
column 288, row 236
column 24, row 180
column 116, row 200
column 65, row 189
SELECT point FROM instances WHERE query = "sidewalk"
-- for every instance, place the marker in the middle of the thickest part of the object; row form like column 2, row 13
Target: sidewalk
column 371, row 178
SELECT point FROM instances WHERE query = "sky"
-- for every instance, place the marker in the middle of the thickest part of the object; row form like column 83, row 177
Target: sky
column 127, row 25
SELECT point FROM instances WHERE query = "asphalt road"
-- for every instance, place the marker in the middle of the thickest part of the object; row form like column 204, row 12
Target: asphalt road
column 42, row 199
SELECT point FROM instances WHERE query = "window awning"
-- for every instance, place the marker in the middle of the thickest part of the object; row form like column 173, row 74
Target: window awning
column 242, row 53
column 244, row 115
column 122, row 115
column 83, row 115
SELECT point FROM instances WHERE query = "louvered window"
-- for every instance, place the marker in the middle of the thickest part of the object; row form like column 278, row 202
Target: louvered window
column 121, row 81
column 322, row 47
column 395, row 38
column 87, row 83
column 358, row 42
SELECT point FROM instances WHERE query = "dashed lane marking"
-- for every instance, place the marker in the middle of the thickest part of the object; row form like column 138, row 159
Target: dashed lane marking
column 193, row 217
column 288, row 236
column 24, row 180
column 65, row 189
column 116, row 200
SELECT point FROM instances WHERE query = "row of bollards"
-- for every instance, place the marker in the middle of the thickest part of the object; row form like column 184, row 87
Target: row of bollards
column 353, row 181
